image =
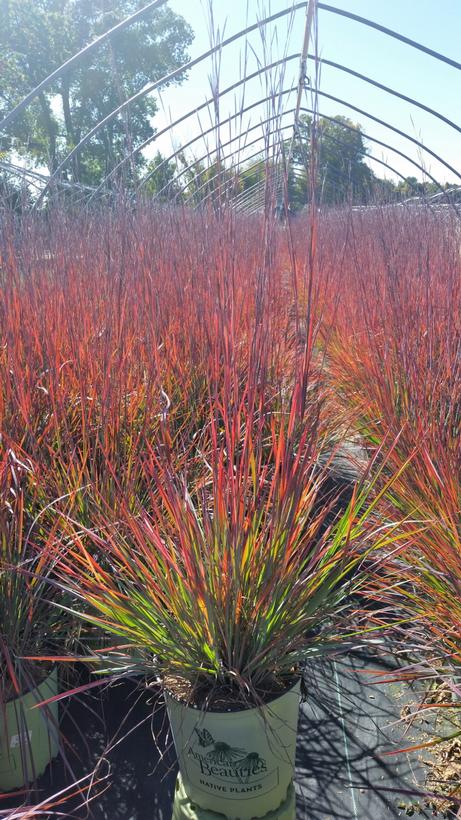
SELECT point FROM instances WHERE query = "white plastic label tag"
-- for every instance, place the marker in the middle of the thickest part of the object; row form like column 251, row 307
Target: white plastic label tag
column 17, row 739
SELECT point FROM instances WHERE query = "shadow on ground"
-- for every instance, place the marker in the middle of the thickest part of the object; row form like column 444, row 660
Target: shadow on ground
column 347, row 724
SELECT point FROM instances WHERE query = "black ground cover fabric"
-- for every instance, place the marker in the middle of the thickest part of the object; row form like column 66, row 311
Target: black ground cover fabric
column 347, row 724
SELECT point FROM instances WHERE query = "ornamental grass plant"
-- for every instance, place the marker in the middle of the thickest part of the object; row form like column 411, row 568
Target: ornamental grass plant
column 228, row 584
column 142, row 353
column 225, row 575
column 29, row 626
column 395, row 362
column 51, row 805
column 182, row 383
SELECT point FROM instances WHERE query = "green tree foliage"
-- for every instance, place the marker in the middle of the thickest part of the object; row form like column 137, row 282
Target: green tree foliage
column 341, row 173
column 212, row 182
column 161, row 173
column 411, row 187
column 37, row 37
column 253, row 174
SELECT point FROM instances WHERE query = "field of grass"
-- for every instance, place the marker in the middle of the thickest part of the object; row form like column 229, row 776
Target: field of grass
column 175, row 388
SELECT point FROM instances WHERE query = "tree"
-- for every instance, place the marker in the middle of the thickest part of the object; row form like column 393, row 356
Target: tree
column 37, row 37
column 341, row 173
column 211, row 181
column 411, row 187
column 254, row 173
column 265, row 178
column 161, row 182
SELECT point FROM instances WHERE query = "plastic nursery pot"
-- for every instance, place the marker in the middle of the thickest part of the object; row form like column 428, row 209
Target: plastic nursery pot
column 239, row 764
column 28, row 736
column 183, row 809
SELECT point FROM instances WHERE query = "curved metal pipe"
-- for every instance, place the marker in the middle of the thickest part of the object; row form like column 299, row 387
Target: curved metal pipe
column 246, row 159
column 384, row 30
column 386, row 88
column 274, row 182
column 391, row 128
column 166, row 79
column 11, row 169
column 83, row 52
column 245, row 195
column 339, row 100
column 390, row 91
column 311, row 15
column 378, row 142
column 18, row 170
column 320, row 93
column 293, row 170
column 226, row 182
column 196, row 110
column 156, row 3
column 255, row 196
column 224, row 145
column 252, row 156
column 283, row 114
column 210, row 131
column 258, row 153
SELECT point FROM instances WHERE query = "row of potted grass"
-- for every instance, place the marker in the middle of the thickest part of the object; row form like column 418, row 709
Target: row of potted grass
column 92, row 388
column 395, row 362
column 183, row 505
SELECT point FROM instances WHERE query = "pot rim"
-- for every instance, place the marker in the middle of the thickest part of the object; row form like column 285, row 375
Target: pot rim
column 16, row 698
column 226, row 712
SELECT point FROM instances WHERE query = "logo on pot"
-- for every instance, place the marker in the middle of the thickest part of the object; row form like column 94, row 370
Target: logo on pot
column 18, row 740
column 241, row 770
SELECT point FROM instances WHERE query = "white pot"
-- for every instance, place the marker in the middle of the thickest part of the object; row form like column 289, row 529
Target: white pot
column 239, row 764
column 183, row 809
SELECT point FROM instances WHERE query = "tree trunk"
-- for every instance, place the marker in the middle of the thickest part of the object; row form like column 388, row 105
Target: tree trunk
column 50, row 128
column 71, row 138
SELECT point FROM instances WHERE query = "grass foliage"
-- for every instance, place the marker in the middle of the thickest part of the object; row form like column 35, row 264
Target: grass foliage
column 181, row 383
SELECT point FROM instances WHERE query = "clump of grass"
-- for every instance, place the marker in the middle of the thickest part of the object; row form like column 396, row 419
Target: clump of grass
column 224, row 572
column 30, row 626
column 395, row 362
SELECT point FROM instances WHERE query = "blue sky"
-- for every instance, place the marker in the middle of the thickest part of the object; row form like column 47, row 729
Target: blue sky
column 435, row 23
